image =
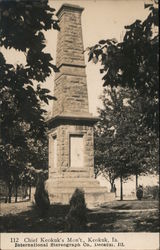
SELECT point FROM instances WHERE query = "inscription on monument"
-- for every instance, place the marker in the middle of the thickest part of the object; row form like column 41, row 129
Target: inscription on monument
column 76, row 151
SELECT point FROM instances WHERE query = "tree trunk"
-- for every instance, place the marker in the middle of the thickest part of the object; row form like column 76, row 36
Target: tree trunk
column 25, row 190
column 9, row 193
column 16, row 193
column 6, row 198
column 136, row 181
column 30, row 192
column 112, row 186
column 121, row 188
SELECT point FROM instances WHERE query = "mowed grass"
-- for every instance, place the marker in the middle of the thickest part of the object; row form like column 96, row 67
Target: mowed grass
column 117, row 216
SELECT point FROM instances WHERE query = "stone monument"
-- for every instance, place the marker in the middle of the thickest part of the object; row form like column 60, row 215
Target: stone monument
column 71, row 144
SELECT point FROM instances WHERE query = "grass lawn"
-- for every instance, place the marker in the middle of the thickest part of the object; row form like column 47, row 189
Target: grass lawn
column 117, row 216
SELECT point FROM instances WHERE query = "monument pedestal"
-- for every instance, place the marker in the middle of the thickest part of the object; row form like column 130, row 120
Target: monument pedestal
column 60, row 190
column 71, row 160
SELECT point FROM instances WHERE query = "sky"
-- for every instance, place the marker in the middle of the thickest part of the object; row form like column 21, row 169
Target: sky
column 101, row 19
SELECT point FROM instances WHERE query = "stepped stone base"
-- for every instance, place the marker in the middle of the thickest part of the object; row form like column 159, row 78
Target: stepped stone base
column 60, row 190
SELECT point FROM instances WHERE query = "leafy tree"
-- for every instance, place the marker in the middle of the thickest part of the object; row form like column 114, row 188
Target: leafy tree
column 144, row 148
column 122, row 142
column 104, row 158
column 112, row 138
column 133, row 62
column 22, row 120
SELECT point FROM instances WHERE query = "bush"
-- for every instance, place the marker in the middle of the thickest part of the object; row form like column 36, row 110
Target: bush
column 139, row 192
column 76, row 219
column 151, row 192
column 41, row 196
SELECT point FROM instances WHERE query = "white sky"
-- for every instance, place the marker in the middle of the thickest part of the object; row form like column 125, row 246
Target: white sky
column 101, row 19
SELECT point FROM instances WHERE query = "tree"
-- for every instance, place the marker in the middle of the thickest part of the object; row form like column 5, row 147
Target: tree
column 122, row 142
column 21, row 93
column 144, row 145
column 112, row 133
column 104, row 157
column 133, row 62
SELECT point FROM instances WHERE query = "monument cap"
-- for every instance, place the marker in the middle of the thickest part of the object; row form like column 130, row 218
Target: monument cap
column 71, row 7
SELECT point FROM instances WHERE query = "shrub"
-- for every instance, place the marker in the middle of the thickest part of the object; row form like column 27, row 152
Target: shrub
column 151, row 192
column 41, row 196
column 139, row 192
column 76, row 219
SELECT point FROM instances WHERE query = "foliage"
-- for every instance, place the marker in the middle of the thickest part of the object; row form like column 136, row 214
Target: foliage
column 133, row 63
column 29, row 175
column 123, row 144
column 139, row 193
column 76, row 219
column 151, row 192
column 41, row 196
column 22, row 123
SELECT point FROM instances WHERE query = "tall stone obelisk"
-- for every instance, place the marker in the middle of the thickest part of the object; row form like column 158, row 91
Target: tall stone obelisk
column 71, row 151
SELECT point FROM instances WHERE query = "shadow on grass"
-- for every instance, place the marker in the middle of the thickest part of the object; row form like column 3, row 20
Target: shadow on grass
column 121, row 207
column 101, row 219
column 107, row 218
column 30, row 221
column 54, row 221
column 149, row 223
column 132, row 205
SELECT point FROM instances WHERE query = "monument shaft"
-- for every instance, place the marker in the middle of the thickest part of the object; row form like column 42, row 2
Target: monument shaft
column 70, row 83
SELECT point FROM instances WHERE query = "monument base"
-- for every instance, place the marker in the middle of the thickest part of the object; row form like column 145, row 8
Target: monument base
column 60, row 190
